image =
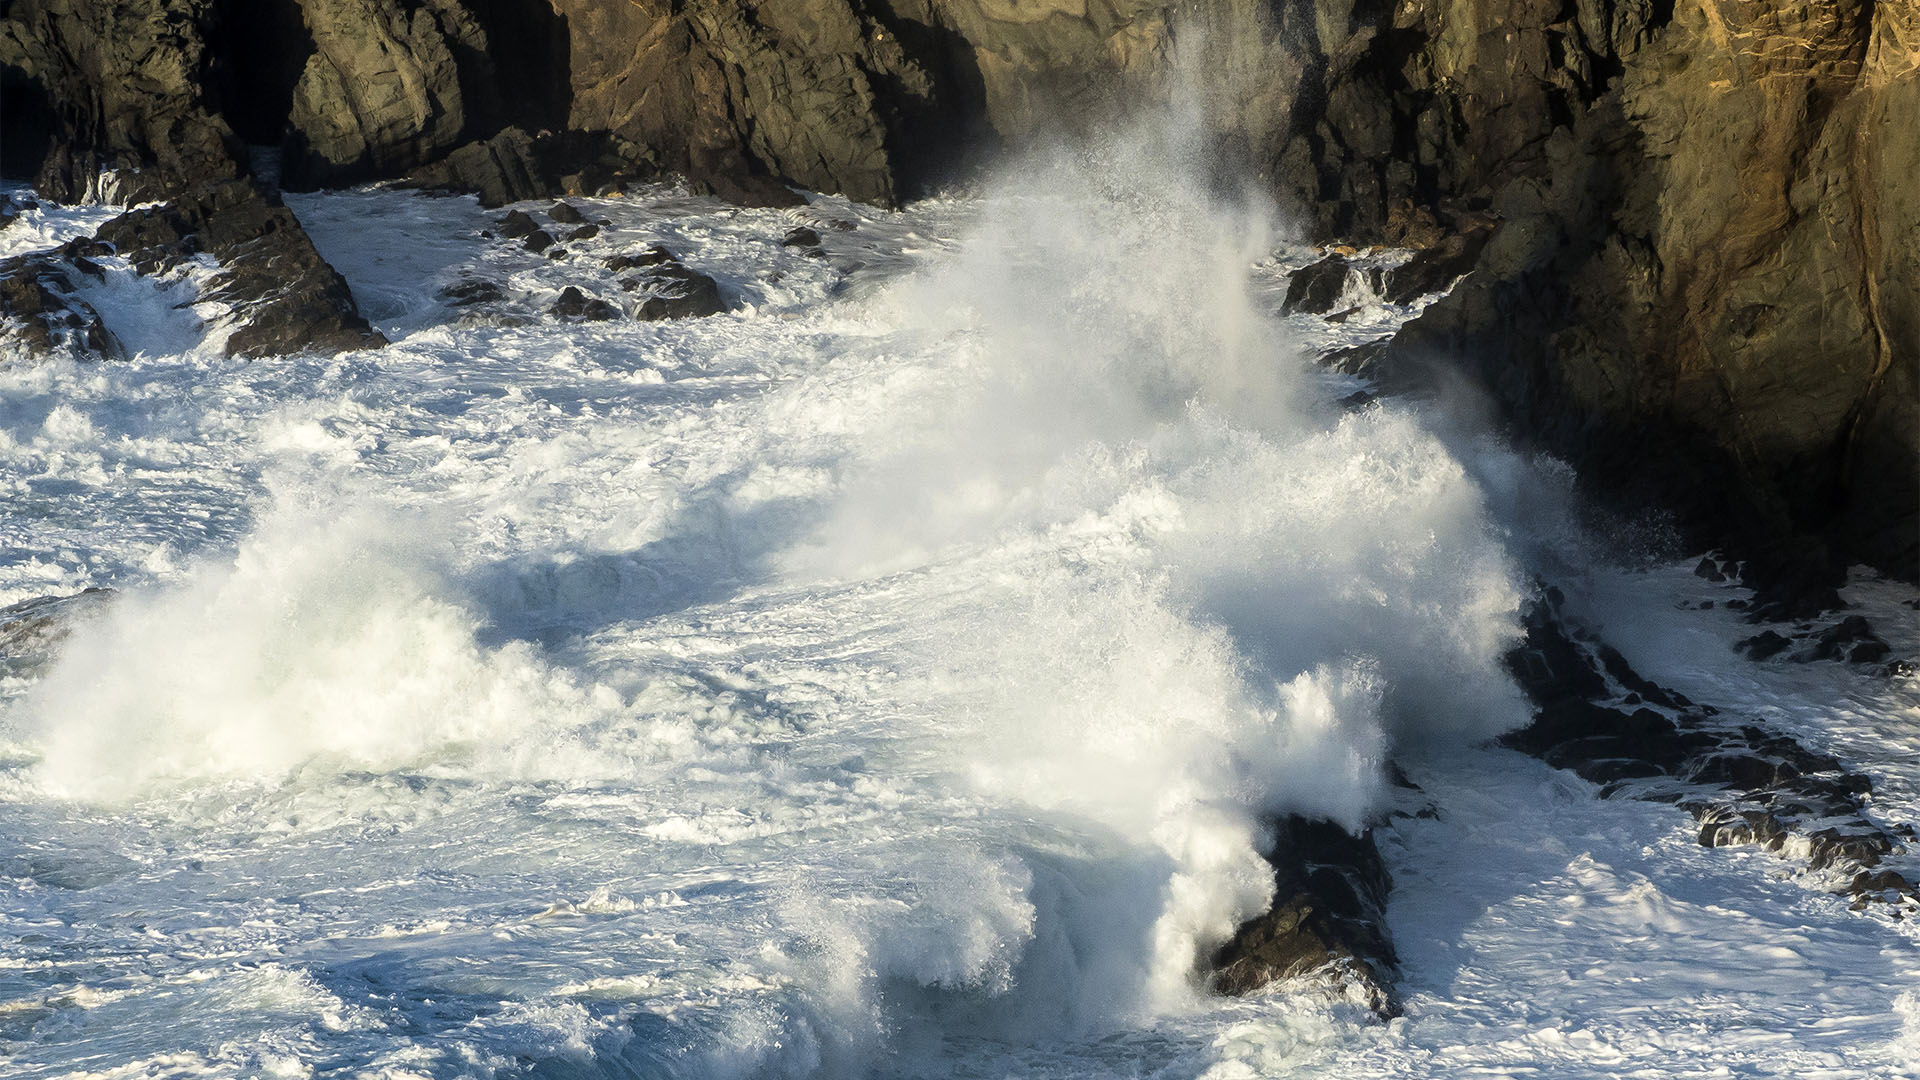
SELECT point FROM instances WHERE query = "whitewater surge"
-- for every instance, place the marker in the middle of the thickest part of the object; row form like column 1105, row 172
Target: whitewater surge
column 894, row 675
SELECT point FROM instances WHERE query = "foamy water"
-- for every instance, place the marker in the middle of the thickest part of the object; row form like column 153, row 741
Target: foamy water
column 891, row 676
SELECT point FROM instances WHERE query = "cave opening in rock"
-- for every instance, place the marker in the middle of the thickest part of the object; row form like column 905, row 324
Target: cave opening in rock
column 30, row 124
column 265, row 46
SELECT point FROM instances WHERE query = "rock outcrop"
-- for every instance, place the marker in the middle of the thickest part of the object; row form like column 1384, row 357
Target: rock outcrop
column 1744, row 785
column 283, row 296
column 1327, row 922
column 112, row 98
column 40, row 313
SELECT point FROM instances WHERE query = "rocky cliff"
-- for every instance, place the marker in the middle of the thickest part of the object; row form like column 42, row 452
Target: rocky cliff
column 1701, row 282
column 1696, row 221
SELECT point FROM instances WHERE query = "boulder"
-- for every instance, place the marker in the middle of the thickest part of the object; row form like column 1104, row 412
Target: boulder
column 675, row 292
column 574, row 304
column 1315, row 288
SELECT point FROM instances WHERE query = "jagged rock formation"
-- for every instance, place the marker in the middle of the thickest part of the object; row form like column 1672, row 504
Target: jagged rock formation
column 1699, row 284
column 40, row 312
column 1744, row 785
column 112, row 98
column 284, row 297
column 1327, row 922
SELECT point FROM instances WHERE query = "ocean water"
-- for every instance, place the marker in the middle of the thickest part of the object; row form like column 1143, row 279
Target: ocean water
column 890, row 677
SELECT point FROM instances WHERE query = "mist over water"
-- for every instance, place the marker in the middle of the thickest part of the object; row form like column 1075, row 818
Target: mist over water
column 923, row 671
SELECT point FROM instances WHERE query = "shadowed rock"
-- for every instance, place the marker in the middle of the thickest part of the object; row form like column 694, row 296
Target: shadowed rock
column 1327, row 923
column 675, row 292
column 1743, row 784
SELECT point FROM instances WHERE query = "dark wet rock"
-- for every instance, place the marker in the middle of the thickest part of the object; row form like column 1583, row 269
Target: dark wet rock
column 1869, row 652
column 654, row 255
column 1842, row 640
column 1709, row 570
column 1358, row 400
column 1851, row 639
column 513, row 166
column 11, row 208
column 1361, row 360
column 41, row 313
column 1743, row 784
column 584, row 232
column 800, row 236
column 1436, row 268
column 1764, row 645
column 1327, row 922
column 566, row 213
column 574, row 304
column 283, row 296
column 31, row 631
column 518, row 225
column 675, row 292
column 1791, row 590
column 468, row 292
column 1313, row 289
column 539, row 240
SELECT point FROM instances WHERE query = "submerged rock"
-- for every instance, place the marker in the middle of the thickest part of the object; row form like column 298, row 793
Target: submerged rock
column 472, row 291
column 31, row 631
column 654, row 255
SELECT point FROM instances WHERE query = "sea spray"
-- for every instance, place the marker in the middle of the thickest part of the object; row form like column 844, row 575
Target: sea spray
column 330, row 640
column 1206, row 595
column 955, row 674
